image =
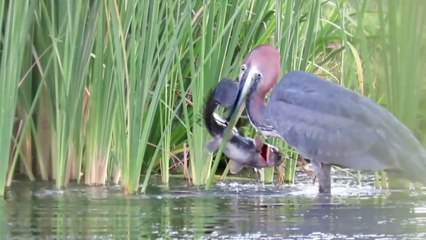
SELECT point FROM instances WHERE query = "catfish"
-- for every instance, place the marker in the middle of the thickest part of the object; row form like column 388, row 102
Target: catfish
column 243, row 151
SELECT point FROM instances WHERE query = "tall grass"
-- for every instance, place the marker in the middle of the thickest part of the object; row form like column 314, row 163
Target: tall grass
column 144, row 53
column 72, row 29
column 402, row 54
column 212, row 55
column 15, row 19
column 100, row 103
column 114, row 90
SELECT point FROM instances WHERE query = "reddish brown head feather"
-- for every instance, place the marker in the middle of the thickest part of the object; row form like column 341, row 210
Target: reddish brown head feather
column 267, row 59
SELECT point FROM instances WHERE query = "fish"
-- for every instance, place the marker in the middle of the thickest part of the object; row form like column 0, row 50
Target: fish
column 242, row 151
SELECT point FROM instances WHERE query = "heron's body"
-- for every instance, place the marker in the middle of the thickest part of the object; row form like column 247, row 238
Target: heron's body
column 243, row 151
column 333, row 125
column 327, row 123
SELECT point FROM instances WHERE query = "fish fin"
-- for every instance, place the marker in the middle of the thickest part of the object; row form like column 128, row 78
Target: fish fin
column 213, row 144
column 258, row 143
column 236, row 167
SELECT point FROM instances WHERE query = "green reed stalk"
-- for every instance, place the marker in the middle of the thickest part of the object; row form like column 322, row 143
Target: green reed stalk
column 43, row 128
column 23, row 140
column 210, row 50
column 143, row 51
column 16, row 21
column 100, row 108
column 63, row 39
column 73, row 31
column 167, row 117
column 26, row 127
column 267, row 175
column 170, row 103
column 401, row 28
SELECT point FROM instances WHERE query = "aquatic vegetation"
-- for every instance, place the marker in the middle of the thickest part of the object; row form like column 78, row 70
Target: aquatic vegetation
column 113, row 91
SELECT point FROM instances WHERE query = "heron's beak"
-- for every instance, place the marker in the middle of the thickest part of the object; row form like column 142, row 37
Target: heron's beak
column 245, row 82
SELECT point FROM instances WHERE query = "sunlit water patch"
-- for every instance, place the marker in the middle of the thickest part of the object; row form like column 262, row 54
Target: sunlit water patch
column 232, row 210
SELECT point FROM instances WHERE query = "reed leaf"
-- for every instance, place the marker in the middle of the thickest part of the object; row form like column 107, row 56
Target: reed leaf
column 143, row 60
column 16, row 19
column 114, row 90
column 401, row 25
column 73, row 32
column 100, row 103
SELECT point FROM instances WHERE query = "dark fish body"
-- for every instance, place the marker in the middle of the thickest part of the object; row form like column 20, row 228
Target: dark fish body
column 241, row 150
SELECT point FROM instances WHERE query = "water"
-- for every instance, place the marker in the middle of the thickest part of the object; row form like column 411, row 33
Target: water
column 233, row 210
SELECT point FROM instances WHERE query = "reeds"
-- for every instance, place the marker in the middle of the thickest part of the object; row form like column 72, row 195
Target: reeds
column 15, row 18
column 402, row 55
column 114, row 90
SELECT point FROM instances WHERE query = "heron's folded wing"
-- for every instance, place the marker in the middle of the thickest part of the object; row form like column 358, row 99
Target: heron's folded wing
column 326, row 121
column 321, row 119
column 320, row 135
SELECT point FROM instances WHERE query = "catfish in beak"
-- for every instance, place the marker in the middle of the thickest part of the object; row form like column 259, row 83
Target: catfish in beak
column 243, row 151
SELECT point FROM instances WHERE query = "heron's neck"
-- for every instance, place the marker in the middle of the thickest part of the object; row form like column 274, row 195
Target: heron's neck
column 255, row 109
column 256, row 112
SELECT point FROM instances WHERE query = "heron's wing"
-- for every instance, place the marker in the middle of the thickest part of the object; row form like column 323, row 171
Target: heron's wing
column 323, row 120
column 319, row 135
column 311, row 92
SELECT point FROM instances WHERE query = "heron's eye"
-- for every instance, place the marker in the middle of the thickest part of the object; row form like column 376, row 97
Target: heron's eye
column 258, row 76
column 243, row 68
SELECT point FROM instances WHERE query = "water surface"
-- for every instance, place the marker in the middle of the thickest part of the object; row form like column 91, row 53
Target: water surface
column 232, row 210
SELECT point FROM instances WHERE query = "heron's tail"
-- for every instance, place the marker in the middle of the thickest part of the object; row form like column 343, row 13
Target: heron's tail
column 419, row 168
column 414, row 166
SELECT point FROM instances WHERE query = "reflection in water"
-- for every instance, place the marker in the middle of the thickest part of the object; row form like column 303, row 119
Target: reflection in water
column 3, row 220
column 364, row 218
column 231, row 211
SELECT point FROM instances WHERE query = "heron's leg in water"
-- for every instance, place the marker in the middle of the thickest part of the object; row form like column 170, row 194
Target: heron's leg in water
column 322, row 172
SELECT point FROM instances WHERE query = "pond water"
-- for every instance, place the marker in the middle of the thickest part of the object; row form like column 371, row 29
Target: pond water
column 232, row 210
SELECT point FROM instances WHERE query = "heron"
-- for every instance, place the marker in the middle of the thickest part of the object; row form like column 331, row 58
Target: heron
column 243, row 151
column 325, row 122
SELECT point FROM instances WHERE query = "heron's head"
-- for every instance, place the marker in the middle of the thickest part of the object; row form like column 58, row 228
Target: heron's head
column 258, row 74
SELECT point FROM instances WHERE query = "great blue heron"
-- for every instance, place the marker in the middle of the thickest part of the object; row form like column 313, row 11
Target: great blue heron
column 325, row 122
column 242, row 151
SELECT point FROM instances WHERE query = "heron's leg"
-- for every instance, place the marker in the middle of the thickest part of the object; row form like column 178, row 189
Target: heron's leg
column 322, row 172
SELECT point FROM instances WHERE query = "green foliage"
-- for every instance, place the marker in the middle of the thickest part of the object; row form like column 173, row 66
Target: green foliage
column 15, row 19
column 113, row 90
